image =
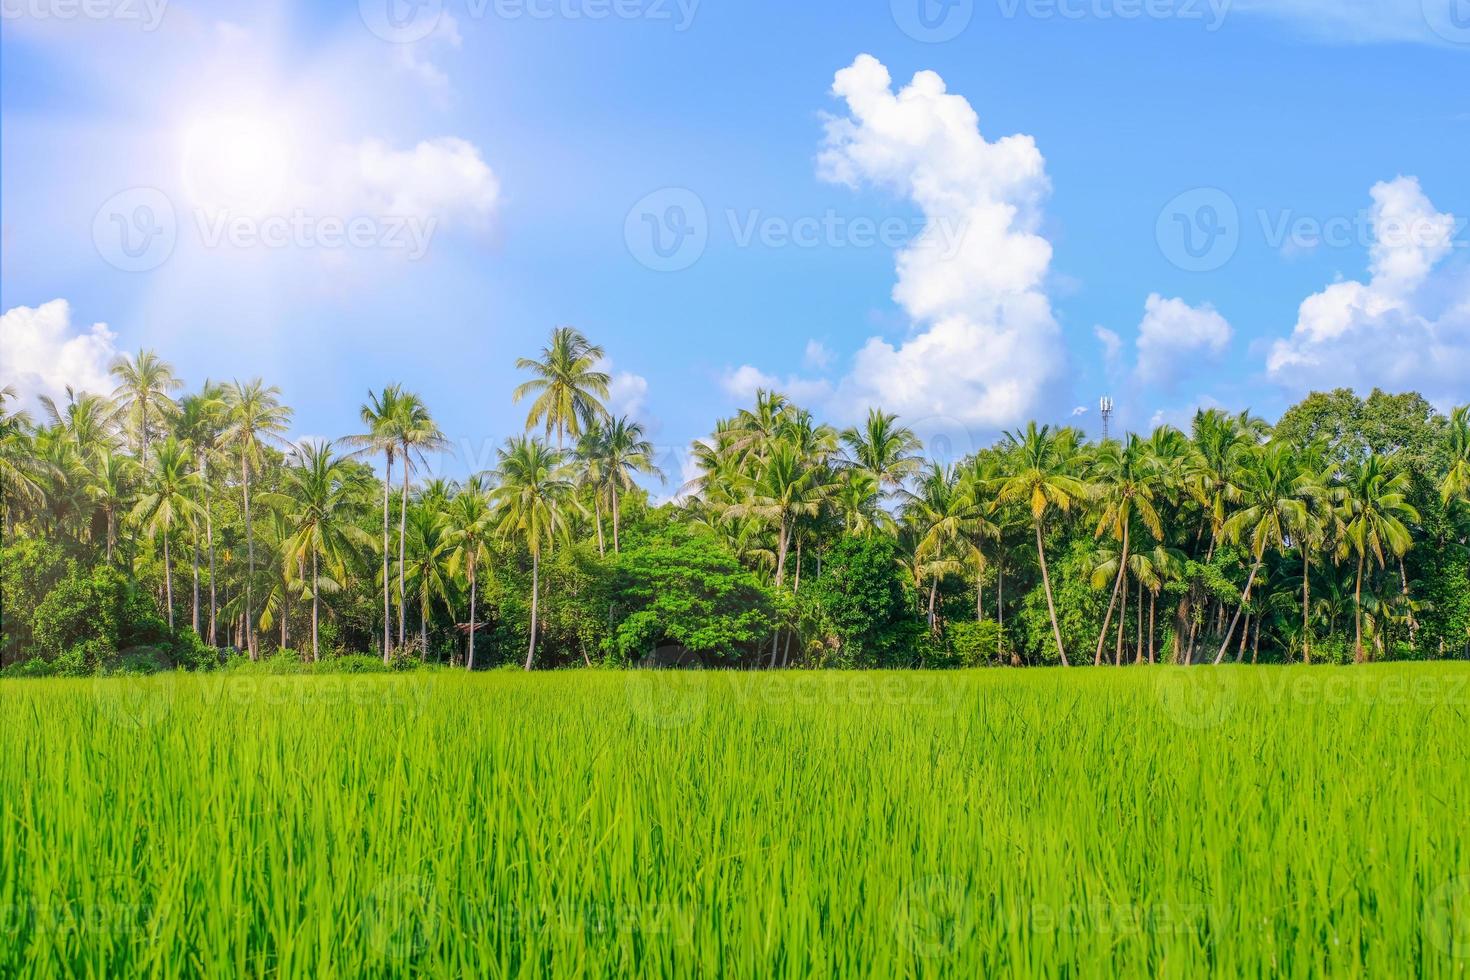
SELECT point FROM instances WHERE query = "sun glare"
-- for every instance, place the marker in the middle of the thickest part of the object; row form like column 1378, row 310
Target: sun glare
column 236, row 162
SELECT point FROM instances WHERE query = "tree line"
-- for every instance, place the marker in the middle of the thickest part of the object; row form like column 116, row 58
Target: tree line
column 148, row 527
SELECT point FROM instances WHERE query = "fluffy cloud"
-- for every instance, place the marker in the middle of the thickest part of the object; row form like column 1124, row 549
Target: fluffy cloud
column 743, row 382
column 984, row 342
column 1408, row 326
column 627, row 394
column 42, row 354
column 817, row 357
column 442, row 178
column 1112, row 345
column 1174, row 338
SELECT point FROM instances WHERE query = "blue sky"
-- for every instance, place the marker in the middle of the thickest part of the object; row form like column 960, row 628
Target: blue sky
column 504, row 164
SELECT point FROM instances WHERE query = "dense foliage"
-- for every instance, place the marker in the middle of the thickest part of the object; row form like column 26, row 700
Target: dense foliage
column 145, row 526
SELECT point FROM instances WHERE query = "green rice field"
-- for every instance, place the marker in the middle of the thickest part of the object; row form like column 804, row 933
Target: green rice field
column 1160, row 822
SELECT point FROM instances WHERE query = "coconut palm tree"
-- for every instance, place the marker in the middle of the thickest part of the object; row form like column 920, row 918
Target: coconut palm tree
column 625, row 451
column 535, row 492
column 1123, row 477
column 884, row 449
column 1038, row 474
column 254, row 418
column 1272, row 508
column 417, row 436
column 1373, row 507
column 19, row 481
column 88, row 421
column 144, row 385
column 785, row 485
column 1456, row 483
column 940, row 516
column 569, row 386
column 324, row 494
column 469, row 523
column 382, row 414
column 429, row 572
column 167, row 497
column 112, row 489
column 200, row 424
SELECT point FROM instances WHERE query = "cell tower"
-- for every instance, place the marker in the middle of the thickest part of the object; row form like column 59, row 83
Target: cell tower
column 1106, row 406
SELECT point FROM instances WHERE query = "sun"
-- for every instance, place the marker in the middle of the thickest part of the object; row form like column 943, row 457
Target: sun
column 235, row 162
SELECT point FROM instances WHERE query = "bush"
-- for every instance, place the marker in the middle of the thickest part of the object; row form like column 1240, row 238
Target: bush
column 977, row 644
column 863, row 605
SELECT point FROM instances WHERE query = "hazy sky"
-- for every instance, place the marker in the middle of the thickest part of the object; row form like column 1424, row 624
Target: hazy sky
column 970, row 212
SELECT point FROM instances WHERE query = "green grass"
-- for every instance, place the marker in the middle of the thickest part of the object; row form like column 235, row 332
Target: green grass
column 1291, row 821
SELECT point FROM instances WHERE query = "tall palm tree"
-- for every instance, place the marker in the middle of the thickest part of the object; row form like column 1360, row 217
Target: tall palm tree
column 167, row 498
column 112, row 488
column 200, row 424
column 1373, row 508
column 569, row 386
column 145, row 384
column 417, row 436
column 857, row 499
column 382, row 414
column 890, row 452
column 1456, row 483
column 429, row 572
column 470, row 522
column 1038, row 475
column 255, row 417
column 625, row 451
column 786, row 485
column 1272, row 508
column 1123, row 477
column 323, row 493
column 19, row 468
column 531, row 502
column 591, row 476
column 940, row 515
column 89, row 421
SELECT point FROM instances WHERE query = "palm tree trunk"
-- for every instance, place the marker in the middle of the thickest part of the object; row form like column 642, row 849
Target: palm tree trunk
column 597, row 506
column 1358, row 614
column 469, row 659
column 194, row 540
column 1051, row 607
column 402, row 547
column 1102, row 636
column 387, row 604
column 250, row 642
column 781, row 544
column 616, row 543
column 1138, row 632
column 168, row 581
column 111, row 532
column 933, row 592
column 535, row 596
column 979, row 594
column 1245, row 635
column 1122, row 628
column 1408, row 610
column 1153, row 603
column 209, row 540
column 315, row 606
column 1244, row 598
column 1306, row 606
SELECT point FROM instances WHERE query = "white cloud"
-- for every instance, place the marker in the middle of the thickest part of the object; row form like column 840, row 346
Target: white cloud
column 983, row 342
column 743, row 382
column 416, row 58
column 41, row 354
column 817, row 356
column 1357, row 21
column 1079, row 411
column 627, row 394
column 1112, row 345
column 1174, row 338
column 444, row 178
column 1408, row 326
